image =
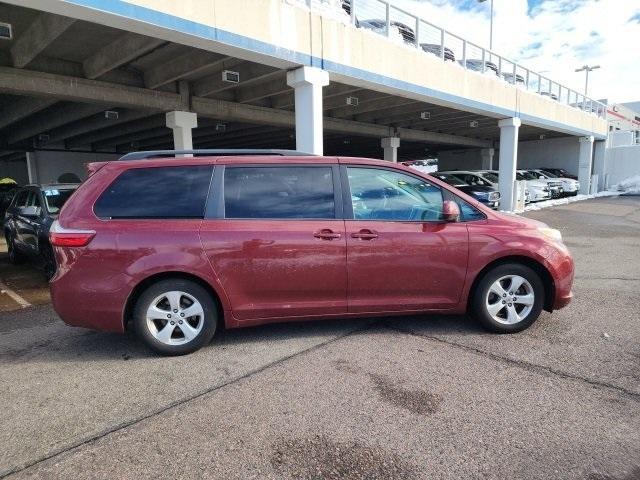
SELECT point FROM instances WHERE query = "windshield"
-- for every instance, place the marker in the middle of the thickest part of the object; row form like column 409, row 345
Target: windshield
column 450, row 179
column 549, row 174
column 56, row 198
column 492, row 177
column 529, row 176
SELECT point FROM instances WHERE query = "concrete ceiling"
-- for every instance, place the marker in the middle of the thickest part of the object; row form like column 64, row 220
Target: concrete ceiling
column 58, row 76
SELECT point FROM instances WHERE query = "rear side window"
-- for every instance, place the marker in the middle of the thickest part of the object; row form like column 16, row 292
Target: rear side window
column 161, row 192
column 279, row 192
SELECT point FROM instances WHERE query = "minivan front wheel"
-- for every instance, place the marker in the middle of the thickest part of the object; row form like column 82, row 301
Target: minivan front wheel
column 175, row 317
column 509, row 298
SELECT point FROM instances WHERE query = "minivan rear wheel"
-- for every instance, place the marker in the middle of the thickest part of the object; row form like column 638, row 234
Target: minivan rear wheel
column 508, row 298
column 175, row 317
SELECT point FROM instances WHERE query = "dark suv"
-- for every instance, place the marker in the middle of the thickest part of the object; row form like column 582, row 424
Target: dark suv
column 174, row 248
column 28, row 219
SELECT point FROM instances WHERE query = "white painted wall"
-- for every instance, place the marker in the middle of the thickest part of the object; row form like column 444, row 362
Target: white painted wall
column 552, row 152
column 621, row 138
column 622, row 163
column 50, row 165
column 469, row 159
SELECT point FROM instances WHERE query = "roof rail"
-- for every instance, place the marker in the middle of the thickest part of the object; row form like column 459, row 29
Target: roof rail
column 211, row 153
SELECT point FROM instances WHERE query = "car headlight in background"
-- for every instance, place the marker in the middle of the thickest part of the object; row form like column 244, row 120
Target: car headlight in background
column 483, row 195
column 494, row 196
column 551, row 233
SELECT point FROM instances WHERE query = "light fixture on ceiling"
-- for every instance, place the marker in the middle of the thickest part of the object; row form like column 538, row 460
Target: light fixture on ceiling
column 111, row 115
column 230, row 76
column 425, row 115
column 542, row 136
column 221, row 127
column 6, row 31
column 353, row 101
column 473, row 124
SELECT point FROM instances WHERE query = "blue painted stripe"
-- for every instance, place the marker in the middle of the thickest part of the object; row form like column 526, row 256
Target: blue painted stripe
column 189, row 27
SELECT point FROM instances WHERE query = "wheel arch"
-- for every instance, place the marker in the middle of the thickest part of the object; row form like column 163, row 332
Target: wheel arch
column 150, row 280
column 536, row 266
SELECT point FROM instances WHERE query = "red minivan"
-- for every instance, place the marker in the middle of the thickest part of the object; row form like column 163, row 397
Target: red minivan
column 175, row 248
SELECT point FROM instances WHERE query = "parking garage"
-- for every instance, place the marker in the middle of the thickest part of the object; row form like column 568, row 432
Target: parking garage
column 85, row 80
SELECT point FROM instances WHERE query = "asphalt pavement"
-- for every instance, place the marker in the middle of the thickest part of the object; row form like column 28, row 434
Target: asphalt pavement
column 403, row 398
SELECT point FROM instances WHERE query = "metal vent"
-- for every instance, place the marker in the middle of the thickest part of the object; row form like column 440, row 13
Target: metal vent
column 230, row 76
column 6, row 32
column 111, row 115
column 425, row 115
column 353, row 101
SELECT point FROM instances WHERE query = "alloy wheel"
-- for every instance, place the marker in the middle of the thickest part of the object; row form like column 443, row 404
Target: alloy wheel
column 510, row 299
column 175, row 318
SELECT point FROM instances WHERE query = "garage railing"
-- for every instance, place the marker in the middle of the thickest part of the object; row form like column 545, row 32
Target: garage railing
column 401, row 26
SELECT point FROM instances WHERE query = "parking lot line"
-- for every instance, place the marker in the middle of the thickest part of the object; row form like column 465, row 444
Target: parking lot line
column 17, row 298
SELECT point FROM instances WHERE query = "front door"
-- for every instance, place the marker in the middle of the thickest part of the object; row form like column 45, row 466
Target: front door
column 400, row 255
column 278, row 243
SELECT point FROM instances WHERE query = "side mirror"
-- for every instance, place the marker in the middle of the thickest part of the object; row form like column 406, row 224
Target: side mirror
column 450, row 211
column 30, row 211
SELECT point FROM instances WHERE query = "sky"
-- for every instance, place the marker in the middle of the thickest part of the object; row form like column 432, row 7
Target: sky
column 553, row 37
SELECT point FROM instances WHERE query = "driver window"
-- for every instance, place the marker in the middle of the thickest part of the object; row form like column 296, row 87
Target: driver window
column 379, row 194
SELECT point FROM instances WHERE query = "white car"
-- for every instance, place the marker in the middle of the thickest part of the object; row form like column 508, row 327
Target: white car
column 555, row 186
column 492, row 176
column 569, row 185
column 538, row 190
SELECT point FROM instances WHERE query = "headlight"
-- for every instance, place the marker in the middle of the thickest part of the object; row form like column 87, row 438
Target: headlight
column 493, row 196
column 481, row 194
column 551, row 233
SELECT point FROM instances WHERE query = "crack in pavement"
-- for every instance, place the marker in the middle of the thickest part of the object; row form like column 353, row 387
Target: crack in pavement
column 532, row 367
column 87, row 440
column 629, row 279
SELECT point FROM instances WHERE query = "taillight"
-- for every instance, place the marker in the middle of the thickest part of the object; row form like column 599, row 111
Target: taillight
column 69, row 237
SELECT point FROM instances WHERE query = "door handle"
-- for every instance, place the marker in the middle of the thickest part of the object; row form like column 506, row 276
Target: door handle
column 326, row 234
column 365, row 234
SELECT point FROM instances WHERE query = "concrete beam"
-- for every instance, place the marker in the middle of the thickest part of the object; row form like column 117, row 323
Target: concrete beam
column 22, row 108
column 129, row 138
column 183, row 65
column 155, row 121
column 329, row 93
column 338, row 103
column 60, row 87
column 398, row 112
column 276, row 84
column 432, row 137
column 248, row 72
column 38, row 36
column 62, row 116
column 371, row 106
column 95, row 123
column 121, row 51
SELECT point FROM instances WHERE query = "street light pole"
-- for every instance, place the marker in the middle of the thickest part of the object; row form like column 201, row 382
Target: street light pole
column 587, row 69
column 490, row 25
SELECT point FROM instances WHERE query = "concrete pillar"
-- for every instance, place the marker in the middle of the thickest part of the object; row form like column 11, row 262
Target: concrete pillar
column 32, row 168
column 307, row 83
column 486, row 154
column 390, row 146
column 600, row 163
column 182, row 123
column 508, row 159
column 584, row 164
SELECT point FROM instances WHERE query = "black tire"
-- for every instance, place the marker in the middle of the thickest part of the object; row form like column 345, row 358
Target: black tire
column 15, row 257
column 480, row 297
column 209, row 317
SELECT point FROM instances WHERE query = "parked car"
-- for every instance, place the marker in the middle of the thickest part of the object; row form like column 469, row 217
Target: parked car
column 380, row 26
column 538, row 190
column 517, row 80
column 437, row 50
column 570, row 186
column 552, row 96
column 485, row 194
column 476, row 65
column 7, row 191
column 27, row 222
column 560, row 172
column 492, row 177
column 175, row 248
column 555, row 186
